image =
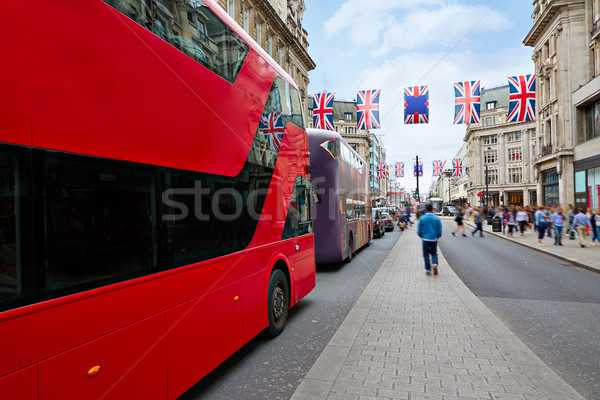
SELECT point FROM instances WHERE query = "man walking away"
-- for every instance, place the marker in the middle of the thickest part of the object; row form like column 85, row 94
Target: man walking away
column 580, row 222
column 540, row 223
column 478, row 223
column 429, row 230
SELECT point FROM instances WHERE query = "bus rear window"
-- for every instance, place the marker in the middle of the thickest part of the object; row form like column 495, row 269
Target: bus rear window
column 193, row 28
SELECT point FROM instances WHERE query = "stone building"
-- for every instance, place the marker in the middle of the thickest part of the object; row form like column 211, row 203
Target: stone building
column 566, row 51
column 277, row 26
column 459, row 185
column 501, row 153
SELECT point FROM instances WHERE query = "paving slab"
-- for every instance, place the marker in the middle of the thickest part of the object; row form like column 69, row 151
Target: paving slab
column 412, row 336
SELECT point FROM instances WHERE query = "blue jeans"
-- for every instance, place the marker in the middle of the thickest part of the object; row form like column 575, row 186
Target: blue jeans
column 558, row 234
column 430, row 248
column 596, row 234
column 479, row 227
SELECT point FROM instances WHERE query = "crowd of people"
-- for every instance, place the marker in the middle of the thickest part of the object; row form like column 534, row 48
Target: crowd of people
column 545, row 221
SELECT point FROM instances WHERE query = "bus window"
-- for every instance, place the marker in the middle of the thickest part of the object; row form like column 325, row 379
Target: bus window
column 100, row 221
column 13, row 224
column 297, row 118
column 207, row 39
column 298, row 221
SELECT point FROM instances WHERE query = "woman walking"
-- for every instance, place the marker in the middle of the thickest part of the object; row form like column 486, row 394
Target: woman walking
column 511, row 221
column 522, row 219
column 595, row 222
column 459, row 222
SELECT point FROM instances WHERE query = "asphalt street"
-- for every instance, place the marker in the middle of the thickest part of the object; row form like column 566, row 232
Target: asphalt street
column 552, row 306
column 273, row 368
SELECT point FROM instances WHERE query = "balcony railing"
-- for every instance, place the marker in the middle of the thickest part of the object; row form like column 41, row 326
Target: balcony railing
column 547, row 150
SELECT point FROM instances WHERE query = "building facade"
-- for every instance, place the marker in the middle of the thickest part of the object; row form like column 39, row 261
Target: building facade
column 276, row 25
column 565, row 45
column 459, row 185
column 500, row 154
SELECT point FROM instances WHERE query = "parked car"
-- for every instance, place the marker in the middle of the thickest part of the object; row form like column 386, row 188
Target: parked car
column 378, row 229
column 388, row 222
column 449, row 210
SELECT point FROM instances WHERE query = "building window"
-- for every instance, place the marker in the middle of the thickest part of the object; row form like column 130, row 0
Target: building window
column 593, row 121
column 490, row 105
column 246, row 19
column 490, row 157
column 492, row 177
column 348, row 116
column 270, row 44
column 533, row 150
column 515, row 154
column 231, row 8
column 490, row 139
column 310, row 112
column 489, row 121
column 513, row 136
column 515, row 175
column 258, row 32
column 281, row 56
column 532, row 133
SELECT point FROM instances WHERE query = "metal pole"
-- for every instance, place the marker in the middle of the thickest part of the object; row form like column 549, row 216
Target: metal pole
column 417, row 173
column 486, row 185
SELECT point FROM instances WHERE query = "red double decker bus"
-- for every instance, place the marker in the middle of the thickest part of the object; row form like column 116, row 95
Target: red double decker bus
column 154, row 196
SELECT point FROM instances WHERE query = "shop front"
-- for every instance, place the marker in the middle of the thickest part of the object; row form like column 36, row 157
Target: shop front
column 514, row 198
column 550, row 191
column 587, row 182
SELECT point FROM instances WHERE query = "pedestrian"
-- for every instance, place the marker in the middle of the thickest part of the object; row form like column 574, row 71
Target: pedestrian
column 522, row 220
column 540, row 223
column 511, row 221
column 548, row 216
column 595, row 222
column 558, row 221
column 429, row 230
column 478, row 222
column 571, row 214
column 459, row 222
column 580, row 223
column 469, row 211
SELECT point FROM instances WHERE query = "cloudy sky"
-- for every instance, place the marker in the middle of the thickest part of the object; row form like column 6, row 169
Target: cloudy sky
column 393, row 44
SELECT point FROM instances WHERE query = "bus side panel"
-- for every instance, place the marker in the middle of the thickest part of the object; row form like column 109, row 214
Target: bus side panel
column 254, row 305
column 303, row 275
column 256, row 77
column 202, row 333
column 20, row 385
column 104, row 86
column 132, row 364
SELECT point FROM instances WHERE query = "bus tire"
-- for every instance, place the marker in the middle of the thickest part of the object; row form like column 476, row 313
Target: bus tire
column 350, row 249
column 278, row 302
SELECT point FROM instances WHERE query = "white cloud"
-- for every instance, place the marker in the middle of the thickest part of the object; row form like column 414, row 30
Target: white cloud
column 384, row 26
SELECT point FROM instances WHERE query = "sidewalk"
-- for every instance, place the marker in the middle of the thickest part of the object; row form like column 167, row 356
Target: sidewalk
column 588, row 257
column 412, row 337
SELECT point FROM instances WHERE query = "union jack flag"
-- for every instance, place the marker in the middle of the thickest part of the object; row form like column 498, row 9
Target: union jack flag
column 416, row 105
column 419, row 169
column 271, row 126
column 399, row 169
column 381, row 171
column 323, row 111
column 457, row 167
column 438, row 167
column 467, row 102
column 522, row 98
column 367, row 109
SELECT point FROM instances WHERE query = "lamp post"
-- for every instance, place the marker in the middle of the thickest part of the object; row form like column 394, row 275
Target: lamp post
column 486, row 185
column 418, row 197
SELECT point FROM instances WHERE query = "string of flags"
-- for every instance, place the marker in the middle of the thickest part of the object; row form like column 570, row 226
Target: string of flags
column 437, row 166
column 467, row 104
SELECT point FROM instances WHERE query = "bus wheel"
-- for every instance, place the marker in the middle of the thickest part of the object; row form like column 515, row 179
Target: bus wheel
column 350, row 249
column 279, row 302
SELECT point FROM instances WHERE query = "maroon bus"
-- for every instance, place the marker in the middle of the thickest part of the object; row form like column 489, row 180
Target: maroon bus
column 153, row 196
column 342, row 218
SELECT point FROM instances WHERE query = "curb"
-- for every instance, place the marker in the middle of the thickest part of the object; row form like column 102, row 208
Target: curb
column 542, row 250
